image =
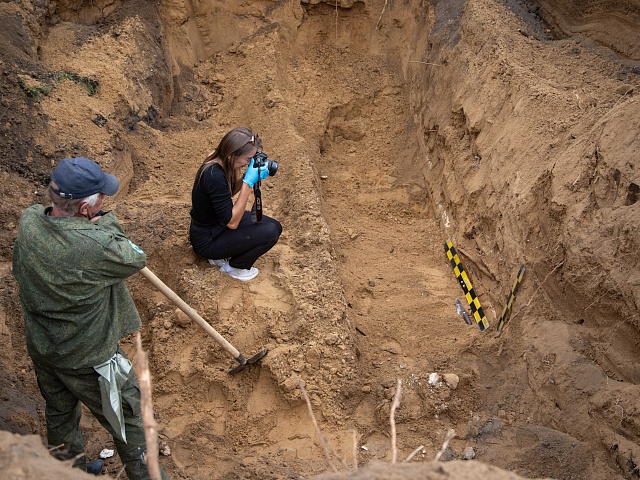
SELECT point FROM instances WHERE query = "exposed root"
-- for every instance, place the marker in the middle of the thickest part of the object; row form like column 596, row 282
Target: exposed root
column 414, row 453
column 448, row 438
column 355, row 450
column 323, row 441
column 146, row 405
column 392, row 420
column 381, row 13
column 537, row 290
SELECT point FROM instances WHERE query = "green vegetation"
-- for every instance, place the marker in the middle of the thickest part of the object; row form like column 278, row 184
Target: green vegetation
column 37, row 89
column 33, row 87
column 90, row 84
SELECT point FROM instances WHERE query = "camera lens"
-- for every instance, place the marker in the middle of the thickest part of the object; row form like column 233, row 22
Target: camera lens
column 272, row 166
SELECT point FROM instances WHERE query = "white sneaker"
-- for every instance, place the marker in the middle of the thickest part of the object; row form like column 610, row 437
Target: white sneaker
column 242, row 274
column 218, row 262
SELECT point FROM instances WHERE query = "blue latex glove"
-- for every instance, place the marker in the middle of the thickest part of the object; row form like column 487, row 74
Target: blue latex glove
column 264, row 173
column 253, row 174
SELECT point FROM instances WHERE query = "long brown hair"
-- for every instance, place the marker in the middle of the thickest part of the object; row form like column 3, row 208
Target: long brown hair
column 234, row 144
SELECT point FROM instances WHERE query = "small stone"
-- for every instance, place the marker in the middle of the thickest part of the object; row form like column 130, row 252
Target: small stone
column 452, row 380
column 472, row 430
column 182, row 319
column 434, row 378
column 332, row 338
column 468, row 453
column 391, row 348
column 448, row 455
column 491, row 427
column 106, row 453
column 366, row 389
column 290, row 384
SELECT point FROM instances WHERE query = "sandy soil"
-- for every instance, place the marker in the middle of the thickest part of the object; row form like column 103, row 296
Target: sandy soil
column 507, row 127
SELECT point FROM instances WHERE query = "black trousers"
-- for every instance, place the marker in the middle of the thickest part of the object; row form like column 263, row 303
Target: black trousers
column 242, row 246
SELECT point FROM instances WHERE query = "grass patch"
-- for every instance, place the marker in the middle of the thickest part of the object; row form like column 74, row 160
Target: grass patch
column 89, row 84
column 34, row 88
column 38, row 89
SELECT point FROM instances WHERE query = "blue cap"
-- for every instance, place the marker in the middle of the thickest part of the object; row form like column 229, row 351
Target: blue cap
column 80, row 178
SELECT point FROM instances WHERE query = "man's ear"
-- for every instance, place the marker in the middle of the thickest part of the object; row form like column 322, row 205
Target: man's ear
column 84, row 209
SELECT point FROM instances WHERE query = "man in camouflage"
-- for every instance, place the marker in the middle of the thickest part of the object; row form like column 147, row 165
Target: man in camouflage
column 71, row 260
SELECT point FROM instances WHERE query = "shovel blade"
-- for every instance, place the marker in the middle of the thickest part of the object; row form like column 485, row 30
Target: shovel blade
column 257, row 357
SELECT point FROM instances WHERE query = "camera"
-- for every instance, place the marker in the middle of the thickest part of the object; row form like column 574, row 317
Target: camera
column 260, row 160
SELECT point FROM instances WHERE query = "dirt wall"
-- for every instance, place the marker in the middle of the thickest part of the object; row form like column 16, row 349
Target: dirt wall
column 528, row 155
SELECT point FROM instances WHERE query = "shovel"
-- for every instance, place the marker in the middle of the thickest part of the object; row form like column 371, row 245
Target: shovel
column 193, row 315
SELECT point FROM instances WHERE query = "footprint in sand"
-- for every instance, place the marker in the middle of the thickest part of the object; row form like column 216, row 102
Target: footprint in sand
column 211, row 410
column 264, row 294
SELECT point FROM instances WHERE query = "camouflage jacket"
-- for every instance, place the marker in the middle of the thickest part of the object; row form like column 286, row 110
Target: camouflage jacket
column 71, row 275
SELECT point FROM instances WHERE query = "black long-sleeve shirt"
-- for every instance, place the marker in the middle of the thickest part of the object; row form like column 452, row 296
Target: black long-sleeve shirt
column 211, row 202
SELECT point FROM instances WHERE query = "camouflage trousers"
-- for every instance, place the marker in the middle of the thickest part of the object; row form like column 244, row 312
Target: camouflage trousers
column 64, row 390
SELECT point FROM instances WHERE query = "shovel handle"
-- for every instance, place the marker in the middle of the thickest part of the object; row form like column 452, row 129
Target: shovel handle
column 192, row 314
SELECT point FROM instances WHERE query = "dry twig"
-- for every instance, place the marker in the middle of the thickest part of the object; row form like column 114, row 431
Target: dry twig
column 447, row 439
column 381, row 13
column 414, row 453
column 120, row 473
column 323, row 441
column 336, row 23
column 146, row 405
column 537, row 290
column 392, row 420
column 355, row 450
column 71, row 461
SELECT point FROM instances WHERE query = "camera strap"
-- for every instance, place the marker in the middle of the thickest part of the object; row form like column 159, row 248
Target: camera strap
column 256, row 209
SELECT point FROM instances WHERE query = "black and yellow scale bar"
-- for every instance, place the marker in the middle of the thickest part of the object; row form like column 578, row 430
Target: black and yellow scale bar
column 467, row 288
column 510, row 299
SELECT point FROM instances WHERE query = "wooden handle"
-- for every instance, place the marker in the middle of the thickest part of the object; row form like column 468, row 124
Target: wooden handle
column 191, row 313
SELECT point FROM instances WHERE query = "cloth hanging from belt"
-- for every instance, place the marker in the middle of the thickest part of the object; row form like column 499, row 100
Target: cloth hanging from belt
column 113, row 375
